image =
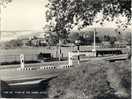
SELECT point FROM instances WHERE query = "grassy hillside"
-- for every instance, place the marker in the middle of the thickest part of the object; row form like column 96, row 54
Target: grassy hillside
column 94, row 80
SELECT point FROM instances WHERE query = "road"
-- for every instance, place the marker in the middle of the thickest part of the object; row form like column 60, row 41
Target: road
column 10, row 73
column 34, row 65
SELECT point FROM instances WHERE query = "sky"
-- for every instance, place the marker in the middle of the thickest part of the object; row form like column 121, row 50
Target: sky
column 24, row 15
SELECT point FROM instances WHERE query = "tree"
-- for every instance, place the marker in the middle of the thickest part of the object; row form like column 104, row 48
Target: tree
column 119, row 36
column 106, row 38
column 63, row 15
column 73, row 37
column 112, row 41
column 52, row 39
column 4, row 2
column 128, row 38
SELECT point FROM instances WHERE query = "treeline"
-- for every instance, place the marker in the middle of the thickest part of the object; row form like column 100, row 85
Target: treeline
column 11, row 44
column 87, row 38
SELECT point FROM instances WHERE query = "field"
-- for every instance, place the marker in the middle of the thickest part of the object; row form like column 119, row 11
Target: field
column 7, row 55
column 30, row 53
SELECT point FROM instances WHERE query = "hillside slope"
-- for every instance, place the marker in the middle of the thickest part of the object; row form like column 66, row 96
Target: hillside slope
column 93, row 81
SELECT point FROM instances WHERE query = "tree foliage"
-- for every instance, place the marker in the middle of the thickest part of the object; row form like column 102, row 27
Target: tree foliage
column 63, row 15
column 4, row 2
column 52, row 39
column 12, row 44
column 85, row 38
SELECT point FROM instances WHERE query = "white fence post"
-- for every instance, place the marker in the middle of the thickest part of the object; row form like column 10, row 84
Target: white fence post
column 69, row 59
column 22, row 61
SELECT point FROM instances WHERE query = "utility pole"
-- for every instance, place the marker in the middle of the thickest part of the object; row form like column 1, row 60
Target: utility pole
column 78, row 50
column 0, row 19
column 94, row 43
column 59, row 50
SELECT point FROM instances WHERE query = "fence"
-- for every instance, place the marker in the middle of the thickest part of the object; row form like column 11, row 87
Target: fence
column 16, row 58
column 13, row 55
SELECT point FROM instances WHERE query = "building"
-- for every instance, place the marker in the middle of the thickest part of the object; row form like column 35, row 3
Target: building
column 43, row 42
column 121, row 44
column 25, row 42
column 106, row 44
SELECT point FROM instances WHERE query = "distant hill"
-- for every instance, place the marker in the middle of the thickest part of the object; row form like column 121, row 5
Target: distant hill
column 104, row 31
column 10, row 35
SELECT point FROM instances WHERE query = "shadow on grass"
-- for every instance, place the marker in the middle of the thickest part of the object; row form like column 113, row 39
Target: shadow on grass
column 39, row 90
